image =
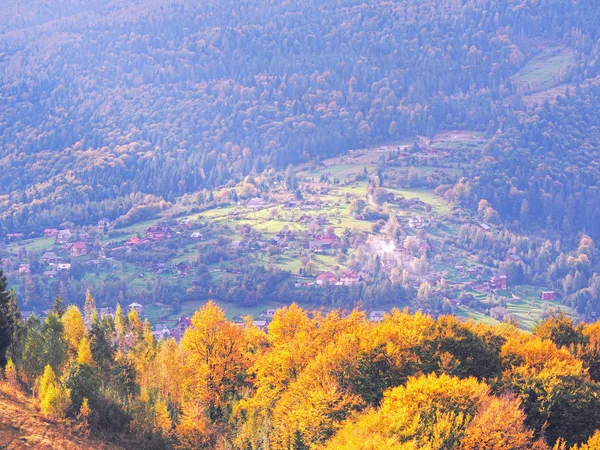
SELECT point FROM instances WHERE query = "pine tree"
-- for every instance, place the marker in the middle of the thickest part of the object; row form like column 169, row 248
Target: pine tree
column 120, row 324
column 89, row 307
column 10, row 319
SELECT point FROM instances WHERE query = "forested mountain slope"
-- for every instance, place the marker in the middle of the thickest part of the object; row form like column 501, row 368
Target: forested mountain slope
column 105, row 105
column 544, row 168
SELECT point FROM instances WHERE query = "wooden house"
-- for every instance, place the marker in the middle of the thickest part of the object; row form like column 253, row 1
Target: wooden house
column 179, row 329
column 548, row 295
column 78, row 249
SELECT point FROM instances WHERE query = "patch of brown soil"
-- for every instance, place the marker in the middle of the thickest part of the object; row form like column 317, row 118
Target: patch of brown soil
column 22, row 426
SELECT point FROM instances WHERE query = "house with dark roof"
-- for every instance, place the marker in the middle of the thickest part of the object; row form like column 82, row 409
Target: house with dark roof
column 499, row 282
column 179, row 329
column 548, row 295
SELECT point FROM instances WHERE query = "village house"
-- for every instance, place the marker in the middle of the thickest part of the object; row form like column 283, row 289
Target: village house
column 50, row 232
column 159, row 268
column 161, row 332
column 183, row 268
column 136, row 307
column 270, row 312
column 185, row 224
column 179, row 329
column 106, row 312
column 136, row 241
column 24, row 269
column 14, row 236
column 416, row 222
column 472, row 271
column 499, row 282
column 63, row 236
column 78, row 249
column 512, row 256
column 103, row 224
column 485, row 226
column 348, row 278
column 256, row 203
column 262, row 324
column 376, row 316
column 63, row 267
column 323, row 240
column 326, row 276
column 548, row 295
column 157, row 233
column 197, row 236
column 49, row 257
column 50, row 273
column 234, row 246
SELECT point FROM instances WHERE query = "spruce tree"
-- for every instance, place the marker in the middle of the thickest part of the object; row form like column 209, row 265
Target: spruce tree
column 10, row 318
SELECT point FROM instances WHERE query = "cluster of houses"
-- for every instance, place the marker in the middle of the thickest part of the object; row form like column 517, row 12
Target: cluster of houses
column 63, row 237
column 52, row 262
column 345, row 279
column 498, row 282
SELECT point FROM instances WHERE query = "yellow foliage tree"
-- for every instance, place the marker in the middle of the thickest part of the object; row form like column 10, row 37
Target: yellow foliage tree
column 74, row 329
column 54, row 400
column 162, row 418
column 10, row 372
column 84, row 352
column 430, row 412
column 213, row 357
column 498, row 425
column 592, row 444
column 194, row 430
column 135, row 324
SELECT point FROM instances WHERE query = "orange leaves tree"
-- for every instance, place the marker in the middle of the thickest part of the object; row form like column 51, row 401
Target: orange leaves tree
column 213, row 362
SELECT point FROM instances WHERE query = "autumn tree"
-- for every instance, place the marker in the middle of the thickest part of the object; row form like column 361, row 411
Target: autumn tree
column 52, row 396
column 213, row 357
column 74, row 328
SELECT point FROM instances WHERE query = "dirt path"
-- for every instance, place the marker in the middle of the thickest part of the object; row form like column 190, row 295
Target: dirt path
column 23, row 427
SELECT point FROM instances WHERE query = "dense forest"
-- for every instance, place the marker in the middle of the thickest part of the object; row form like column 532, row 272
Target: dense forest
column 109, row 105
column 544, row 169
column 310, row 381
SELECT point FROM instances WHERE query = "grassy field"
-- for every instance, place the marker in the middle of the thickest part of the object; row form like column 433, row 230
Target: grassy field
column 542, row 71
column 467, row 313
column 37, row 245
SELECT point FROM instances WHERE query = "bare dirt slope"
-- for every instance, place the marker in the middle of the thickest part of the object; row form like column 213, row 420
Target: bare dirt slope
column 22, row 426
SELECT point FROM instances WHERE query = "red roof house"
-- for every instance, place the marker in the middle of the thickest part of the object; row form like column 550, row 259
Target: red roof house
column 78, row 249
column 350, row 277
column 50, row 232
column 329, row 276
